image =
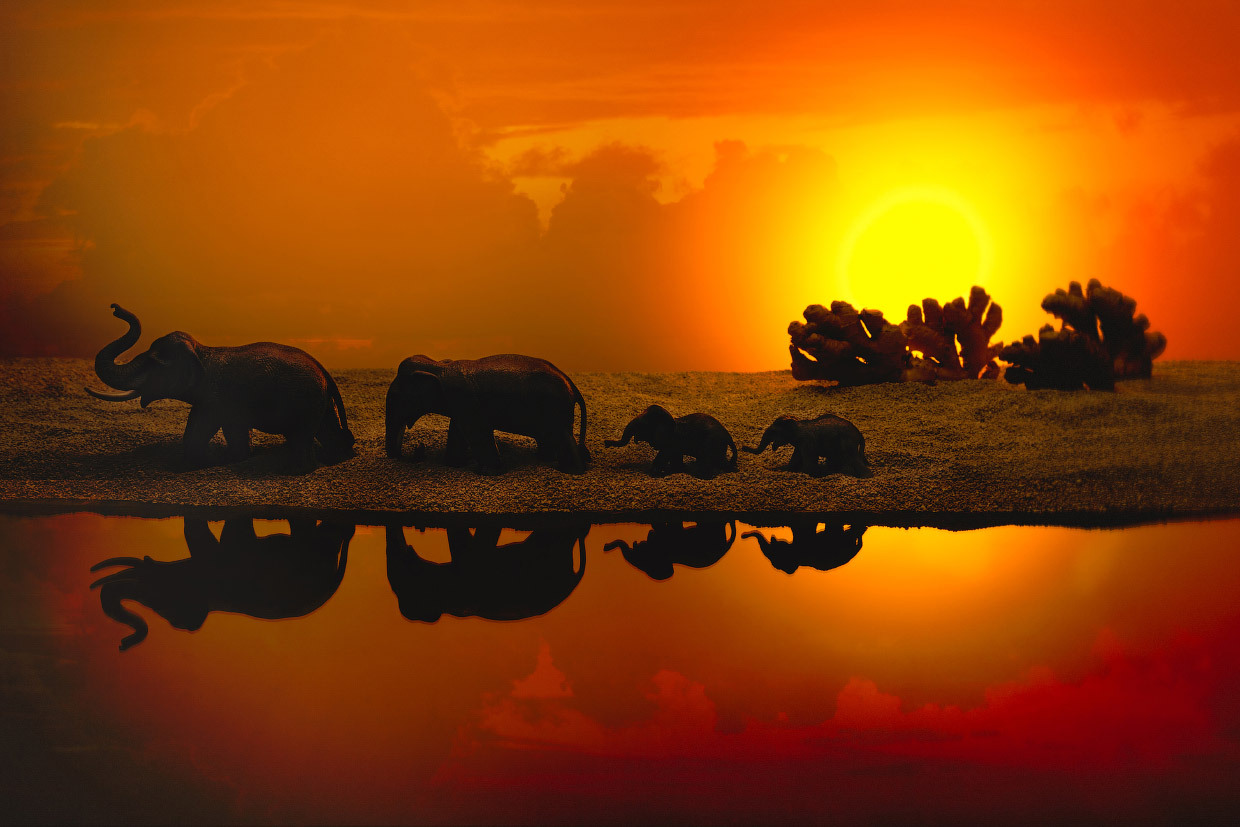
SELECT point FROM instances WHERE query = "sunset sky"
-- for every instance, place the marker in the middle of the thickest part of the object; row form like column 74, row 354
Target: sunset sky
column 612, row 185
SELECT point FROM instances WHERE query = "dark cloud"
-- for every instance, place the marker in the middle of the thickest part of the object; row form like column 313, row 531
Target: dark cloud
column 329, row 196
column 332, row 199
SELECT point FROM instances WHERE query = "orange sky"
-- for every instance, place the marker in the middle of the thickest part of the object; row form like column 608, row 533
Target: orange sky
column 612, row 185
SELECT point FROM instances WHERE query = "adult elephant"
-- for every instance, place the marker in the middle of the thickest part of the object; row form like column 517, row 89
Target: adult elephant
column 263, row 386
column 509, row 392
column 274, row 577
column 483, row 579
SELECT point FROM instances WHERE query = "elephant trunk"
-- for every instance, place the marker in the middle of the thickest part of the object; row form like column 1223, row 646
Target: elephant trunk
column 763, row 542
column 124, row 377
column 617, row 544
column 766, row 440
column 110, row 596
column 629, row 432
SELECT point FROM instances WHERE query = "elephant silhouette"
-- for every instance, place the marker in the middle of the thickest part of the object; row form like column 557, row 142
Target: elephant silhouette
column 483, row 579
column 824, row 550
column 274, row 577
column 264, row 386
column 672, row 543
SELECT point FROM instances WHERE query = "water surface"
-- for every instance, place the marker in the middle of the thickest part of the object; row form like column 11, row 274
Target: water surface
column 617, row 673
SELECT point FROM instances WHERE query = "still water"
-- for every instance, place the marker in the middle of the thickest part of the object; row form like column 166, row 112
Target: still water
column 576, row 673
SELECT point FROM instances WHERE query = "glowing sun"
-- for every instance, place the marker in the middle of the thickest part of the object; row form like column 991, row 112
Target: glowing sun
column 912, row 244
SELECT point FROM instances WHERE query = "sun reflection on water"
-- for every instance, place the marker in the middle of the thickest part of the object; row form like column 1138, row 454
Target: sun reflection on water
column 949, row 660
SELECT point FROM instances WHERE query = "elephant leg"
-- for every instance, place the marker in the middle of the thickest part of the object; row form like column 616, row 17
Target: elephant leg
column 714, row 460
column 238, row 533
column 300, row 447
column 486, row 539
column 486, row 451
column 666, row 462
column 199, row 430
column 798, row 459
column 198, row 537
column 549, row 447
column 568, row 456
column 706, row 469
column 458, row 445
column 238, row 439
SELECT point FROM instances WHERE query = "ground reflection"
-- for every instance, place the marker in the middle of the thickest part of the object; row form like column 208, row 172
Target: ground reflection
column 1011, row 674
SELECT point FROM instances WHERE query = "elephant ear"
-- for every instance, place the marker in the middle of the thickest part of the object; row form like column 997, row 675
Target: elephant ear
column 428, row 389
column 179, row 369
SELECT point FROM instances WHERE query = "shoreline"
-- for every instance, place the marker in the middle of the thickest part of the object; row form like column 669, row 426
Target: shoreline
column 965, row 453
column 947, row 521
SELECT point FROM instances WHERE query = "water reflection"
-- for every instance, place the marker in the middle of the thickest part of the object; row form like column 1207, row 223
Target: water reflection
column 484, row 579
column 283, row 576
column 273, row 577
column 1002, row 675
column 671, row 542
column 823, row 550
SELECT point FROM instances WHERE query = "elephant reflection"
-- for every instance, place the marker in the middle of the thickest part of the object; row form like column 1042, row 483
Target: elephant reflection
column 484, row 579
column 824, row 550
column 273, row 577
column 671, row 542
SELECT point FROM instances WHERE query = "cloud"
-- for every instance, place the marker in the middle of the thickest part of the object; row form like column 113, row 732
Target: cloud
column 1133, row 709
column 333, row 199
column 1143, row 729
column 329, row 196
column 336, row 196
column 1175, row 250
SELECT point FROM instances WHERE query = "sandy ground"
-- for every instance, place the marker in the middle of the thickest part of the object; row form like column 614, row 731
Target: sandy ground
column 953, row 453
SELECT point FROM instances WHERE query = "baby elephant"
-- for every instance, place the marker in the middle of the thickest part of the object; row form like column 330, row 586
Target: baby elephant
column 834, row 439
column 698, row 435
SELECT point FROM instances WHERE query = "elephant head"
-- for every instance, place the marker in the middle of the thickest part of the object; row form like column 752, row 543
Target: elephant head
column 823, row 550
column 699, row 546
column 783, row 431
column 418, row 389
column 169, row 369
column 654, row 426
column 160, row 586
column 272, row 577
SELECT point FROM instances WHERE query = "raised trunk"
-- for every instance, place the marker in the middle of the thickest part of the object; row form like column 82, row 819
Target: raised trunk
column 123, row 377
column 110, row 596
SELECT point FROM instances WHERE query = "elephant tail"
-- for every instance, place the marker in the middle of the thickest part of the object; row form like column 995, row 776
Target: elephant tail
column 732, row 445
column 579, row 401
column 861, row 465
column 345, row 440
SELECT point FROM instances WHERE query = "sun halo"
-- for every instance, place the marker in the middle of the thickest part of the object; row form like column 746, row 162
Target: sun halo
column 911, row 244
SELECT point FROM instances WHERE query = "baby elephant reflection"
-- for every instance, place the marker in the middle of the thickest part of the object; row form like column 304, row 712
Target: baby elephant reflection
column 484, row 579
column 273, row 577
column 671, row 543
column 823, row 550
